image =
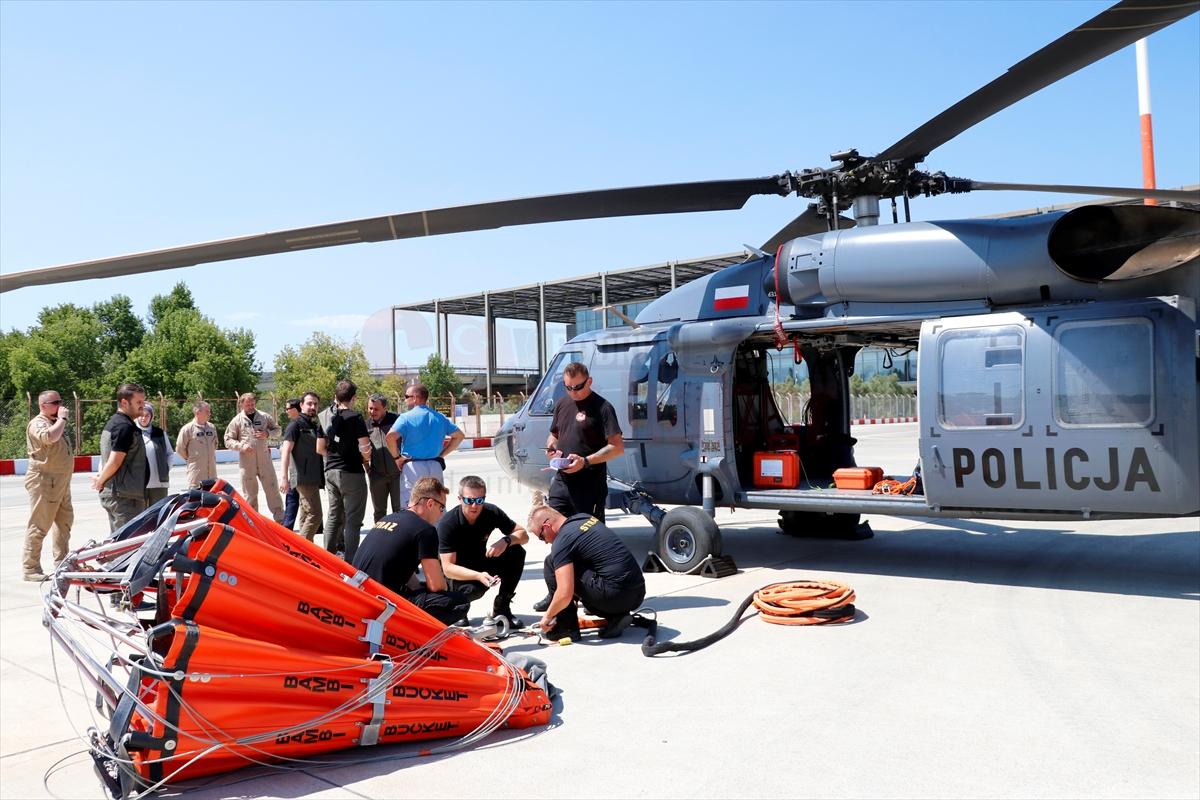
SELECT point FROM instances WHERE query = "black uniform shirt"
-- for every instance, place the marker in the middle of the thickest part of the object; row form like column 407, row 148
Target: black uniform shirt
column 587, row 543
column 306, row 467
column 466, row 540
column 583, row 427
column 392, row 550
column 346, row 427
column 122, row 432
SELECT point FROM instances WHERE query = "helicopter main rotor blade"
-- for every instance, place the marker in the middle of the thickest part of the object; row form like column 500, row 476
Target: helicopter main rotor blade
column 1102, row 35
column 808, row 223
column 1176, row 195
column 670, row 198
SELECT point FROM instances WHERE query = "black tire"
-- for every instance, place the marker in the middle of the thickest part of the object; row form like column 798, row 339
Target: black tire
column 819, row 525
column 687, row 536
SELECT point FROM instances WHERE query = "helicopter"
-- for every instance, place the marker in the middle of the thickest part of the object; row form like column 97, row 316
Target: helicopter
column 1061, row 354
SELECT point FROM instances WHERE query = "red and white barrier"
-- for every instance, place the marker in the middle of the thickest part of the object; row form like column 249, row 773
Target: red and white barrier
column 881, row 420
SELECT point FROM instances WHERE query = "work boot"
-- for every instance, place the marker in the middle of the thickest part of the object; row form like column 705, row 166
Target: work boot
column 566, row 625
column 503, row 608
column 615, row 626
column 541, row 605
column 34, row 577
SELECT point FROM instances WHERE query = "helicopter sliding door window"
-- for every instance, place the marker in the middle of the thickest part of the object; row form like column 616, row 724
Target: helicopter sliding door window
column 668, row 407
column 982, row 380
column 552, row 387
column 1104, row 373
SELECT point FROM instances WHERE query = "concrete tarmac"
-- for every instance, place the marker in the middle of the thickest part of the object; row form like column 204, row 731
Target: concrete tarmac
column 987, row 659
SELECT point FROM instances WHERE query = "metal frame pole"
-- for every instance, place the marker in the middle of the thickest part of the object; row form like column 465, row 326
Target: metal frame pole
column 541, row 329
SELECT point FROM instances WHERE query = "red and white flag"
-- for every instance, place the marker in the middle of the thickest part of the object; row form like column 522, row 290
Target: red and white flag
column 729, row 298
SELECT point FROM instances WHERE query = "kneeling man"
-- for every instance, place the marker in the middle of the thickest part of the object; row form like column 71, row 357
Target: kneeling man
column 587, row 561
column 391, row 551
column 468, row 561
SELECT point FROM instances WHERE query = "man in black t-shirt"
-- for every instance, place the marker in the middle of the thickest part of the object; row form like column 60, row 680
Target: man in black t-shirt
column 586, row 431
column 587, row 561
column 348, row 454
column 124, row 471
column 302, row 466
column 400, row 542
column 469, row 562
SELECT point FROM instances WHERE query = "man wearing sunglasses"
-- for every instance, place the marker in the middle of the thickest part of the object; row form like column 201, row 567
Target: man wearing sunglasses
column 587, row 561
column 48, row 482
column 585, row 430
column 469, row 562
column 420, row 440
column 399, row 543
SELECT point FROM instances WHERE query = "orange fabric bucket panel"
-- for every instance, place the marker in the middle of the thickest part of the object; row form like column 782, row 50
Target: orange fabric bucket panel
column 260, row 592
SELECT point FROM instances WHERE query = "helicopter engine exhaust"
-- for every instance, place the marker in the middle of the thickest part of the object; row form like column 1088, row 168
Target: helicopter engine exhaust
column 1117, row 243
column 1079, row 254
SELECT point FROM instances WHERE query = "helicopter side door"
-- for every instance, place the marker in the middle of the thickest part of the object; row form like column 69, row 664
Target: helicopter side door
column 1085, row 409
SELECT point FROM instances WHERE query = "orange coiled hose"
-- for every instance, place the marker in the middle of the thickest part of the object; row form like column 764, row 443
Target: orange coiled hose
column 805, row 603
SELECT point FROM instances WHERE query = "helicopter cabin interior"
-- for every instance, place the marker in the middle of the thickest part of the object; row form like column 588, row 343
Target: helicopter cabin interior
column 782, row 457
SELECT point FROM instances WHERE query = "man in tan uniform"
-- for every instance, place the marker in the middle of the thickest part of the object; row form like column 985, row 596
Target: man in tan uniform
column 48, row 482
column 247, row 433
column 197, row 445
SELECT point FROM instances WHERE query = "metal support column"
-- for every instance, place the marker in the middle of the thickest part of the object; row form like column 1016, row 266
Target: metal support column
column 672, row 276
column 541, row 329
column 393, row 340
column 437, row 328
column 604, row 299
column 487, row 339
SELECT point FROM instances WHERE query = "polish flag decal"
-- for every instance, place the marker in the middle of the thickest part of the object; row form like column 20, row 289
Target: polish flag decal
column 730, row 298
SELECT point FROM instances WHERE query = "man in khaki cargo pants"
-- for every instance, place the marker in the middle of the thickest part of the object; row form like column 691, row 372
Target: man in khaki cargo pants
column 197, row 445
column 247, row 433
column 48, row 483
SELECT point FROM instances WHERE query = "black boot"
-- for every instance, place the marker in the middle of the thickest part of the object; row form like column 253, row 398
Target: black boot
column 541, row 605
column 566, row 625
column 502, row 607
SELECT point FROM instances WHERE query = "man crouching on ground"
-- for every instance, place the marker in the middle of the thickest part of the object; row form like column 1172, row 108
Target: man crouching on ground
column 587, row 561
column 468, row 561
column 392, row 550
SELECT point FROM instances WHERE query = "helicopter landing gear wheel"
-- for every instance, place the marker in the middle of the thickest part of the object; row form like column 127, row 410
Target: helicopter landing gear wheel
column 822, row 525
column 686, row 536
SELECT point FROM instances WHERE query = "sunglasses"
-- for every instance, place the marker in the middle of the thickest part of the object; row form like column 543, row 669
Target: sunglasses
column 577, row 387
column 52, row 403
column 472, row 501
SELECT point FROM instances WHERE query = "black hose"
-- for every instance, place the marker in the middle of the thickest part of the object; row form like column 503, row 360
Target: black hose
column 651, row 648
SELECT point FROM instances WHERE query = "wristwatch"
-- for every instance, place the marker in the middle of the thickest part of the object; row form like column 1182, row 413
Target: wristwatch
column 586, row 463
column 507, row 539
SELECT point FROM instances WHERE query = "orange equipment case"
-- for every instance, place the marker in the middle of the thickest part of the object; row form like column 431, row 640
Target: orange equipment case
column 777, row 469
column 857, row 477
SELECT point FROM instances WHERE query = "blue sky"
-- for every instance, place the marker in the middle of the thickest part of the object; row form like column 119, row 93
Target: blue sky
column 129, row 127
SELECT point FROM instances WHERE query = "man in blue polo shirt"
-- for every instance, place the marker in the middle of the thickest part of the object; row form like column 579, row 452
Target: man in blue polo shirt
column 423, row 431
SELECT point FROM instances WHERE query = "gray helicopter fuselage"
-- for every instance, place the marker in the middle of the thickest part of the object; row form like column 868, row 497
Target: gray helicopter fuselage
column 1046, row 388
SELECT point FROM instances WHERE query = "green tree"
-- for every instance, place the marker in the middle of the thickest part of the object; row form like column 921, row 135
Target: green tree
column 187, row 353
column 318, row 365
column 179, row 297
column 122, row 329
column 440, row 379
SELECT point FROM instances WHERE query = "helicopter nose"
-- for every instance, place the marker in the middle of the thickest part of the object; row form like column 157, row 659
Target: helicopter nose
column 502, row 447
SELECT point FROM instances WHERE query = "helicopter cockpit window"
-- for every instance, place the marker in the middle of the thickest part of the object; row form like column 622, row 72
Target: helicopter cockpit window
column 552, row 386
column 1104, row 373
column 639, row 387
column 982, row 380
column 668, row 371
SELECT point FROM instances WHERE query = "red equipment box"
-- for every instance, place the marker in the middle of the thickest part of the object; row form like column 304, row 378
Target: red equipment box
column 857, row 477
column 777, row 469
